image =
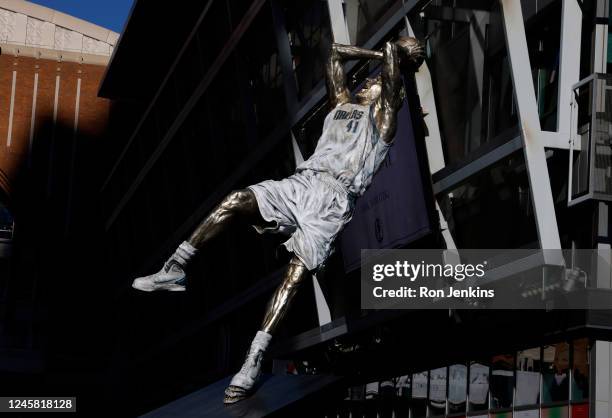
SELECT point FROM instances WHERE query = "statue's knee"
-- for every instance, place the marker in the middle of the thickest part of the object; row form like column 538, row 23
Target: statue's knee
column 238, row 199
column 296, row 263
column 296, row 272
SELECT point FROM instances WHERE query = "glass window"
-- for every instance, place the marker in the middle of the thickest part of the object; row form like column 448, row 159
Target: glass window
column 387, row 389
column 580, row 410
column 580, row 369
column 165, row 108
column 309, row 32
column 528, row 365
column 371, row 390
column 501, row 191
column 403, row 389
column 470, row 72
column 543, row 30
column 259, row 83
column 237, row 10
column 150, row 137
column 387, row 398
column 189, row 72
column 365, row 17
column 437, row 392
column 457, row 388
column 208, row 161
column 213, row 32
column 228, row 112
column 501, row 415
column 555, row 412
column 527, row 413
column 502, row 381
column 357, row 393
column 609, row 52
column 479, row 386
column 418, row 405
column 555, row 373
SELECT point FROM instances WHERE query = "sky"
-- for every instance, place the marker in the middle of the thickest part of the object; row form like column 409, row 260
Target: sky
column 110, row 14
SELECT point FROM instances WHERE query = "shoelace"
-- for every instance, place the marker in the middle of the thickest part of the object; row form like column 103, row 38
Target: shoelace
column 168, row 269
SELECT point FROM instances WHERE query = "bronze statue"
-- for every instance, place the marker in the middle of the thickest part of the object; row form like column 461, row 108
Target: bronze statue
column 313, row 205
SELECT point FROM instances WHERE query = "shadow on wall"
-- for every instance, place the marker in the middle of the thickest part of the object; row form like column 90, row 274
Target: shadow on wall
column 70, row 324
column 56, row 293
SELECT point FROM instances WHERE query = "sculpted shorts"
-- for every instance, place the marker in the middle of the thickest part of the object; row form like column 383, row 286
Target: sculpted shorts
column 311, row 207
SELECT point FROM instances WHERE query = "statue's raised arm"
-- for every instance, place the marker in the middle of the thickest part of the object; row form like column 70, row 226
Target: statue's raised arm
column 336, row 79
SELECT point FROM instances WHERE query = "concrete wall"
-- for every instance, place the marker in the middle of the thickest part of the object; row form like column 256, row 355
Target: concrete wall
column 28, row 24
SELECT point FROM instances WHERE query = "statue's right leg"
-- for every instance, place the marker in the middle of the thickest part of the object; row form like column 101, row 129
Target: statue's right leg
column 243, row 382
column 237, row 204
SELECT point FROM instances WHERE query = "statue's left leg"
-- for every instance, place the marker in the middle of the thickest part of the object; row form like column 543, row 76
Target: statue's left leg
column 245, row 379
column 237, row 204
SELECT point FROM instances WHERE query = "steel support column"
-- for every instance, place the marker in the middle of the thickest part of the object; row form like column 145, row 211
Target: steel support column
column 600, row 37
column 569, row 63
column 338, row 22
column 433, row 142
column 531, row 132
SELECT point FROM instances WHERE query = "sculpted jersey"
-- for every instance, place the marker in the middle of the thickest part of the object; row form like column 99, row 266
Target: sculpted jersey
column 350, row 148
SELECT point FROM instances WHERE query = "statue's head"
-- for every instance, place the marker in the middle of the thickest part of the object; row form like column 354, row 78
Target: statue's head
column 370, row 91
column 412, row 53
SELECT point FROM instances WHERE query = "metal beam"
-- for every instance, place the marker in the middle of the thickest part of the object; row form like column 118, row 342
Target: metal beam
column 352, row 19
column 338, row 22
column 9, row 134
column 463, row 173
column 433, row 140
column 208, row 78
column 153, row 102
column 569, row 63
column 559, row 140
column 601, row 371
column 533, row 147
column 435, row 154
column 452, row 14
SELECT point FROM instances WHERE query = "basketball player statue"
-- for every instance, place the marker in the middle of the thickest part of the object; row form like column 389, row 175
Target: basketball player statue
column 313, row 205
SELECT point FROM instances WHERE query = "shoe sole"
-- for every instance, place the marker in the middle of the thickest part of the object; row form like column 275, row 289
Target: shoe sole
column 173, row 287
column 235, row 394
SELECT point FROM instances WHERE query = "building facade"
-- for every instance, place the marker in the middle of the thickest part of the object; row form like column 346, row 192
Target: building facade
column 243, row 100
column 49, row 60
column 51, row 66
column 237, row 95
column 51, row 123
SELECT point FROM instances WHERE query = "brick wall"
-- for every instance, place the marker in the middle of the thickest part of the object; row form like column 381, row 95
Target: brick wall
column 47, row 137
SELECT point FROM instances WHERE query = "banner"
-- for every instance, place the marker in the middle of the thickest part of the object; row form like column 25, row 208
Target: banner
column 392, row 212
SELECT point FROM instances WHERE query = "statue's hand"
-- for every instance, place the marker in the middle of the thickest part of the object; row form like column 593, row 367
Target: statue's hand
column 412, row 52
